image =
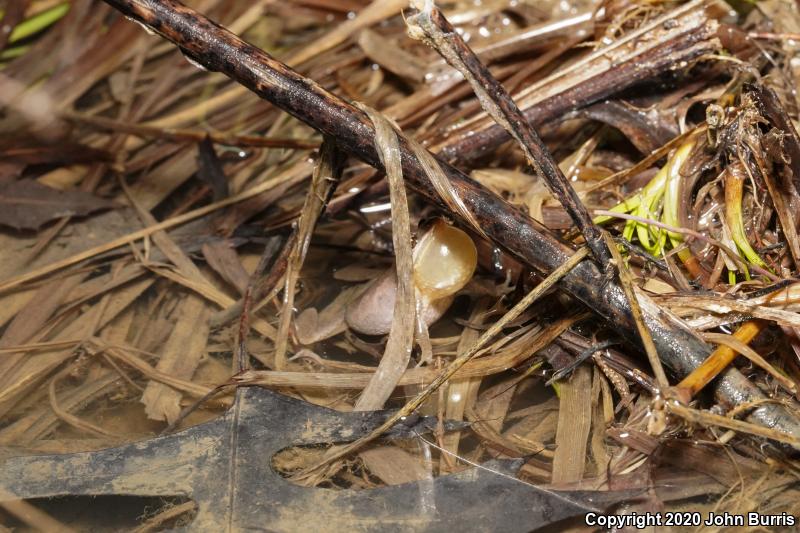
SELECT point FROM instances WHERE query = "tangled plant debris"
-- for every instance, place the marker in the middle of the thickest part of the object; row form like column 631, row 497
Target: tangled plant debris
column 185, row 214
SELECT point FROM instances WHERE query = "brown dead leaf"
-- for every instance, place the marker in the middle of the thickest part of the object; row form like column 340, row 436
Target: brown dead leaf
column 394, row 466
column 574, row 421
column 182, row 352
column 26, row 204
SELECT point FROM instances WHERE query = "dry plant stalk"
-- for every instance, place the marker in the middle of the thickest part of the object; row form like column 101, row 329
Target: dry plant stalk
column 324, row 180
column 719, row 359
column 626, row 280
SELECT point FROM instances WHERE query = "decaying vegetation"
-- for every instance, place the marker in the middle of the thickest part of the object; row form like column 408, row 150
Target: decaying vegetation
column 624, row 174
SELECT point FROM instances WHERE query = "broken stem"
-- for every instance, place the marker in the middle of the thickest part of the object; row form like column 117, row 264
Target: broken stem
column 719, row 358
column 323, row 182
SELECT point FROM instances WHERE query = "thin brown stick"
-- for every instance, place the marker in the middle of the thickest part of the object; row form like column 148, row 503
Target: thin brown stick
column 190, row 135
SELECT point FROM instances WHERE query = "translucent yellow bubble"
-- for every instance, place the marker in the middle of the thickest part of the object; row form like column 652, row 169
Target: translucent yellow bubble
column 444, row 261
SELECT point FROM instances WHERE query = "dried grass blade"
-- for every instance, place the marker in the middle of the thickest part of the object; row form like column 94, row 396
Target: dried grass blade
column 443, row 187
column 34, row 346
column 71, row 419
column 37, row 423
column 574, row 423
column 647, row 340
column 391, row 57
column 357, row 377
column 401, row 336
column 186, row 344
column 602, row 418
column 31, row 319
column 461, row 393
column 137, row 363
column 323, row 182
column 213, row 294
column 373, row 13
column 707, row 304
column 34, row 368
column 181, row 355
column 707, row 418
column 136, row 235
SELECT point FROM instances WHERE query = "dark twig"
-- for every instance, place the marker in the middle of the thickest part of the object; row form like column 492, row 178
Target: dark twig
column 219, row 50
column 579, row 360
column 432, row 26
column 188, row 135
column 260, row 285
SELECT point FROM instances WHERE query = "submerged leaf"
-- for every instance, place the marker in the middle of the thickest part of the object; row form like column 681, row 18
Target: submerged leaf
column 209, row 169
column 26, row 204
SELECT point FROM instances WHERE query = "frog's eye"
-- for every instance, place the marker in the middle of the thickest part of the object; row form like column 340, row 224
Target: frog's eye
column 444, row 261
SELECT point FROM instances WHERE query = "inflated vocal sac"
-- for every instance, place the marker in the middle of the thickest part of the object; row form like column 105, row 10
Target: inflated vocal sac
column 444, row 261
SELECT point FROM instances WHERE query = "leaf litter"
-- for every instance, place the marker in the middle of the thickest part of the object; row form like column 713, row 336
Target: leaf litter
column 147, row 224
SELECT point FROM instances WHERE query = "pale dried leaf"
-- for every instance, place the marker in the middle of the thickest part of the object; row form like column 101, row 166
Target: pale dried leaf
column 574, row 422
column 401, row 336
column 182, row 353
